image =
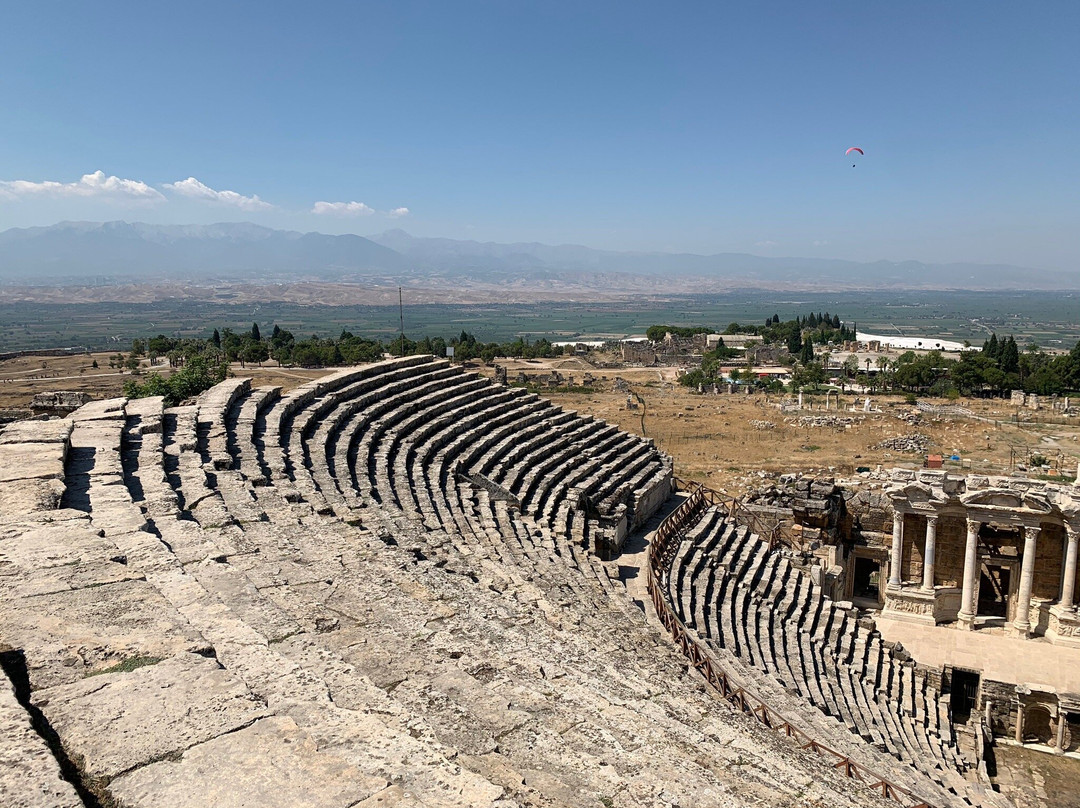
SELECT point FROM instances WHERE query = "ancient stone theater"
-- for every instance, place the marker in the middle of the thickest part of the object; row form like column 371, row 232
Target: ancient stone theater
column 406, row 585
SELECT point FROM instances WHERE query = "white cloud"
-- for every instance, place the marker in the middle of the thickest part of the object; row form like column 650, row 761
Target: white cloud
column 820, row 243
column 397, row 213
column 194, row 189
column 342, row 209
column 89, row 185
column 765, row 243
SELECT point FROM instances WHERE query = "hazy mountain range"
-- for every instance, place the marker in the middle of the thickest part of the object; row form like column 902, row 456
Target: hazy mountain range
column 121, row 252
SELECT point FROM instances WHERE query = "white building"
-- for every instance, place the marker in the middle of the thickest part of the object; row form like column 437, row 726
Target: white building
column 913, row 343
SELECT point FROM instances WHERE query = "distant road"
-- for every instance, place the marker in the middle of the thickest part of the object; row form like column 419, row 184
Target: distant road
column 60, row 378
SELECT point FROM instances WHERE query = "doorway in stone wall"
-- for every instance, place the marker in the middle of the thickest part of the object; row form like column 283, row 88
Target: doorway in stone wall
column 994, row 583
column 963, row 694
column 866, row 582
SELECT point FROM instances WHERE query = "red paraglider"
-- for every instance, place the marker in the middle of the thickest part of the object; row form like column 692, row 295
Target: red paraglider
column 854, row 148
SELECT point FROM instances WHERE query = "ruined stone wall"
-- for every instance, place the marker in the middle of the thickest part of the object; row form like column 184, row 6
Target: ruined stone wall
column 1002, row 699
column 1048, row 562
column 911, row 565
column 638, row 354
column 870, row 511
column 949, row 552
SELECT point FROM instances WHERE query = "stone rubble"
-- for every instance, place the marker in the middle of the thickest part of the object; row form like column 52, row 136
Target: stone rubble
column 916, row 443
column 823, row 421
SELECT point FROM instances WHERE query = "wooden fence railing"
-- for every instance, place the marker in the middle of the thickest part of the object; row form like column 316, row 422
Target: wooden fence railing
column 665, row 545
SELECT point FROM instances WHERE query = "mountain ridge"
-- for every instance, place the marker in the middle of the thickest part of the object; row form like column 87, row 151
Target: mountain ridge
column 72, row 252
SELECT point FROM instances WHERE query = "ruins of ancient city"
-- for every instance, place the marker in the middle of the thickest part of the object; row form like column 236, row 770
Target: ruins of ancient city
column 405, row 583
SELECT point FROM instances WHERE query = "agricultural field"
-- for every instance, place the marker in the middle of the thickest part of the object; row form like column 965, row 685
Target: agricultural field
column 1050, row 320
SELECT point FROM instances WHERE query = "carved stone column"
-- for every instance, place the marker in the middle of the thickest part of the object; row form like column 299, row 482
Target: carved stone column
column 929, row 548
column 1068, row 583
column 897, row 548
column 966, row 617
column 1027, row 577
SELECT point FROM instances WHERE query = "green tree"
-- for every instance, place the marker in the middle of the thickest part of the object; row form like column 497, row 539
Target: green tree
column 1010, row 356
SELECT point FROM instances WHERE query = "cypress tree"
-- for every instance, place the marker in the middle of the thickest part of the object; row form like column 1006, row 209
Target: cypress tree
column 794, row 341
column 1010, row 356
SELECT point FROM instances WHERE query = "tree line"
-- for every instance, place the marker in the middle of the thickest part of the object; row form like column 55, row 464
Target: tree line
column 995, row 369
column 202, row 363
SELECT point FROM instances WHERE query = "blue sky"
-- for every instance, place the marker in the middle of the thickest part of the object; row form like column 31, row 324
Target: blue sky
column 699, row 127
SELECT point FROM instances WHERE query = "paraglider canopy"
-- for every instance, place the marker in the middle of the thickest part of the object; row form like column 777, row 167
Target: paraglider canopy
column 854, row 148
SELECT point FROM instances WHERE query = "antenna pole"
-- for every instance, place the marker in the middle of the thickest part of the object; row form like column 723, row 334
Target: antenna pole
column 401, row 317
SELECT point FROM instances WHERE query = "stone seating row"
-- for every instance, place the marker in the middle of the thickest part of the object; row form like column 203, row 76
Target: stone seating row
column 752, row 606
column 209, row 607
column 226, row 405
column 406, row 416
column 358, row 412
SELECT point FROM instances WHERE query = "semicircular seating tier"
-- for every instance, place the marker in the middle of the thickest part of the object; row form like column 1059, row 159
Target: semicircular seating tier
column 816, row 662
column 384, row 587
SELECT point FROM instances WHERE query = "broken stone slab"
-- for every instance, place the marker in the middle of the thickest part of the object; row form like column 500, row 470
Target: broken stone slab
column 46, row 558
column 424, row 769
column 53, row 431
column 27, row 461
column 69, row 634
column 236, row 590
column 19, row 498
column 272, row 764
column 30, row 775
column 106, row 409
column 117, row 722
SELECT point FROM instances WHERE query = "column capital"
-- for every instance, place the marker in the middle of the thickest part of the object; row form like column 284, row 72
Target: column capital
column 931, row 518
column 1032, row 531
column 973, row 525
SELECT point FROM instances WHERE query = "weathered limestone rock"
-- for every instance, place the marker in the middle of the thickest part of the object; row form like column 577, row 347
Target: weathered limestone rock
column 56, row 556
column 29, row 774
column 117, row 722
column 31, row 475
column 271, row 764
column 52, row 431
column 68, row 634
column 60, row 402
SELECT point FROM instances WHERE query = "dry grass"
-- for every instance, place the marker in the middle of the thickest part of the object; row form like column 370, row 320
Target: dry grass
column 713, row 441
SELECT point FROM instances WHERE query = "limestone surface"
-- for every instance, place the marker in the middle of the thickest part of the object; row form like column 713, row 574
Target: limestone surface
column 29, row 774
column 119, row 721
